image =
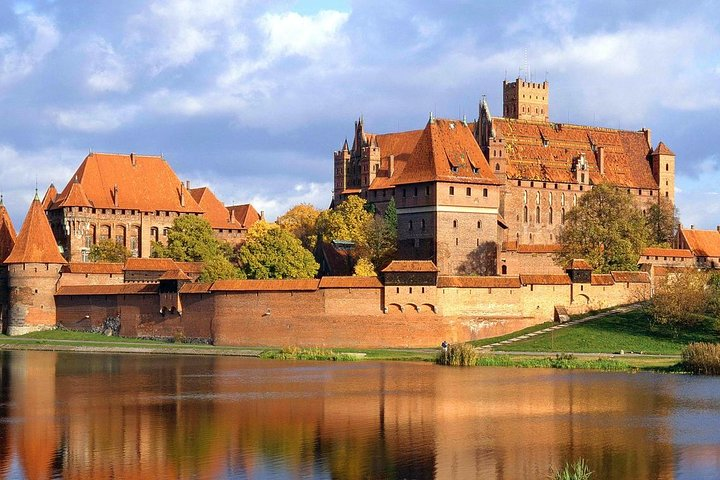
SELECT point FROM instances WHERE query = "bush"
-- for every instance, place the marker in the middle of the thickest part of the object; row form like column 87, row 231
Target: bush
column 297, row 353
column 458, row 355
column 702, row 358
column 577, row 471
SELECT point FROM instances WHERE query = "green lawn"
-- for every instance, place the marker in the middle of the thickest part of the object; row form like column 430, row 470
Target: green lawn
column 631, row 331
column 519, row 333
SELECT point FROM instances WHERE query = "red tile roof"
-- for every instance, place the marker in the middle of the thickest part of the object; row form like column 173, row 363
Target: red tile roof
column 625, row 153
column 49, row 197
column 123, row 289
column 191, row 267
column 410, row 266
column 539, row 248
column 265, row 285
column 150, row 264
column 214, row 210
column 478, row 282
column 446, row 151
column 666, row 252
column 338, row 261
column 601, row 279
column 36, row 242
column 195, row 288
column 510, row 246
column 662, row 149
column 400, row 145
column 174, row 275
column 579, row 264
column 7, row 233
column 631, row 277
column 245, row 214
column 145, row 183
column 703, row 243
column 94, row 268
column 555, row 279
column 350, row 282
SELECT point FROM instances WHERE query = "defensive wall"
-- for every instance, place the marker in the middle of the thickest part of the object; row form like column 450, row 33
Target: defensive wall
column 342, row 311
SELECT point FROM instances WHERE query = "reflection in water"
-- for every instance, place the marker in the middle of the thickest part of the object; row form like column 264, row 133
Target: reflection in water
column 81, row 416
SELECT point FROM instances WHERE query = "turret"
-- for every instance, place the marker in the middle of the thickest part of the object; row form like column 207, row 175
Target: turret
column 526, row 100
column 662, row 161
column 33, row 272
column 7, row 243
column 341, row 161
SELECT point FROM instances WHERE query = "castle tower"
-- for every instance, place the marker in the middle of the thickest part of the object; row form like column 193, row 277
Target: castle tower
column 525, row 100
column 33, row 272
column 663, row 169
column 369, row 162
column 342, row 160
column 7, row 242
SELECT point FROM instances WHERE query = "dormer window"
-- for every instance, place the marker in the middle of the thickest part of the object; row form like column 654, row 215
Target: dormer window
column 475, row 170
column 454, row 169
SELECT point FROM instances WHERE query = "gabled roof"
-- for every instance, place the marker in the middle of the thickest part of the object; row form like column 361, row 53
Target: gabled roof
column 579, row 264
column 547, row 151
column 7, row 233
column 631, row 277
column 666, row 252
column 75, row 196
column 702, row 243
column 145, row 183
column 49, row 196
column 410, row 266
column 214, row 210
column 36, row 242
column 245, row 214
column 176, row 274
column 601, row 279
column 446, row 151
column 400, row 146
column 662, row 149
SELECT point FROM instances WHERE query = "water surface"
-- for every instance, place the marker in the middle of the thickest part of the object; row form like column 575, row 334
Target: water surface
column 71, row 415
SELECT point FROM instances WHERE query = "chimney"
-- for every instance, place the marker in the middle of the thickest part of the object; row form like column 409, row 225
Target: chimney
column 601, row 159
column 232, row 215
column 692, row 227
column 391, row 166
column 648, row 136
column 262, row 215
column 187, row 184
column 182, row 195
column 132, row 159
column 115, row 196
column 718, row 228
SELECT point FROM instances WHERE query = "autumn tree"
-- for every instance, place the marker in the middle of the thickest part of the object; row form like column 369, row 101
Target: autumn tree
column 348, row 221
column 663, row 222
column 273, row 252
column 364, row 268
column 191, row 239
column 301, row 221
column 605, row 229
column 109, row 251
column 683, row 299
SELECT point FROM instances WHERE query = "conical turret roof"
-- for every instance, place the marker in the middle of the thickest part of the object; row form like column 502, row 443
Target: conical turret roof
column 36, row 242
column 7, row 233
column 49, row 197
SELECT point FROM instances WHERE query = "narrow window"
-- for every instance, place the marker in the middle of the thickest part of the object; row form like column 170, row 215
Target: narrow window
column 422, row 224
column 525, row 214
column 454, row 223
column 550, row 216
column 457, row 241
column 485, row 192
column 410, row 225
column 427, row 190
column 468, row 191
column 524, row 197
column 497, row 167
column 537, row 215
column 415, row 192
column 479, row 224
column 452, row 190
column 404, row 193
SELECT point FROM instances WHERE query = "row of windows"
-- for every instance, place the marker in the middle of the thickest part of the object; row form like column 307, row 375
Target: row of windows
column 538, row 219
column 549, row 198
column 415, row 191
column 422, row 225
column 468, row 191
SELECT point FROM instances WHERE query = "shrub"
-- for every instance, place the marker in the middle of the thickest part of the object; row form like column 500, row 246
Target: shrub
column 577, row 471
column 458, row 355
column 297, row 353
column 702, row 358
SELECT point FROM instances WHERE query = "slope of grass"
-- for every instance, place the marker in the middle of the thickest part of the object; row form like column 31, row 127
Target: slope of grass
column 488, row 341
column 631, row 332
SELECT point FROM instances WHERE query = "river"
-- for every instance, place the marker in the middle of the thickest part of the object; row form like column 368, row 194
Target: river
column 95, row 416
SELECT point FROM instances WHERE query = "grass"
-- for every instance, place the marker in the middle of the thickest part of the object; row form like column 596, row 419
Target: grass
column 564, row 362
column 296, row 353
column 487, row 341
column 630, row 331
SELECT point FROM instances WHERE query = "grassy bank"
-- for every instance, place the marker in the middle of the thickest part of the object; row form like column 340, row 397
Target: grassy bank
column 630, row 332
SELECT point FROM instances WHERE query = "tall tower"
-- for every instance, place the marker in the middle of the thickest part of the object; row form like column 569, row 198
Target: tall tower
column 342, row 160
column 33, row 272
column 663, row 169
column 7, row 243
column 526, row 100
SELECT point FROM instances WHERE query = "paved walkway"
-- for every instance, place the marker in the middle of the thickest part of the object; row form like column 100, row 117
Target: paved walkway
column 623, row 309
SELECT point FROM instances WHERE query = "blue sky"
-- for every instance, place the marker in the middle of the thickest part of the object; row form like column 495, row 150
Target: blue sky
column 252, row 97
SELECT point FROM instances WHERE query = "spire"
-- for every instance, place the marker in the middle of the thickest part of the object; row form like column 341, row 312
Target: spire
column 7, row 232
column 432, row 118
column 345, row 146
column 1, row 200
column 36, row 242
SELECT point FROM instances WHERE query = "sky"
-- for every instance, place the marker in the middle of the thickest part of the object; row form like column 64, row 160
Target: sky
column 251, row 98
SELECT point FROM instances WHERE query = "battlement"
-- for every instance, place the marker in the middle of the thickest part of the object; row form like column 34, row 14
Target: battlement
column 526, row 100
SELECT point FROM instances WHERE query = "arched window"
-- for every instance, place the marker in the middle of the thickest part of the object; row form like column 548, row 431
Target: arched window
column 524, row 197
column 562, row 199
column 497, row 167
column 479, row 225
column 454, row 223
column 537, row 198
column 550, row 219
column 537, row 214
column 120, row 235
column 525, row 214
column 154, row 233
column 504, row 269
column 550, row 198
column 410, row 225
column 574, row 200
column 667, row 167
column 422, row 224
column 104, row 233
column 562, row 216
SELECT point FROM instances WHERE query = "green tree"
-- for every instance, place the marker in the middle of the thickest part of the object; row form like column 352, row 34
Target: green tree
column 364, row 268
column 348, row 221
column 191, row 239
column 380, row 242
column 109, row 251
column 391, row 215
column 683, row 299
column 605, row 229
column 663, row 222
column 273, row 252
column 301, row 221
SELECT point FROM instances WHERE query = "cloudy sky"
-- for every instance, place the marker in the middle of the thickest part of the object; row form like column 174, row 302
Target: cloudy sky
column 252, row 97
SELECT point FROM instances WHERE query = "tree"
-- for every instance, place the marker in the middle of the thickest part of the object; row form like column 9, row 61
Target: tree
column 348, row 221
column 380, row 242
column 391, row 215
column 273, row 252
column 605, row 229
column 191, row 239
column 663, row 222
column 682, row 299
column 109, row 251
column 364, row 268
column 301, row 221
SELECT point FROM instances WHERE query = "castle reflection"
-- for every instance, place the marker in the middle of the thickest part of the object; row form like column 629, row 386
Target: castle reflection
column 92, row 416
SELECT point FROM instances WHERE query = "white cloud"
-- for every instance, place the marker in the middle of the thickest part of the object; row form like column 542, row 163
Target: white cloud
column 21, row 54
column 94, row 118
column 310, row 36
column 107, row 72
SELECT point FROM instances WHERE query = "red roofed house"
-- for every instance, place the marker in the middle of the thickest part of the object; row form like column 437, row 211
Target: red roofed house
column 463, row 189
column 704, row 245
column 132, row 199
column 229, row 223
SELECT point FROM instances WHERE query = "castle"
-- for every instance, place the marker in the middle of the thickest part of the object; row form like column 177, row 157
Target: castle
column 479, row 206
column 474, row 196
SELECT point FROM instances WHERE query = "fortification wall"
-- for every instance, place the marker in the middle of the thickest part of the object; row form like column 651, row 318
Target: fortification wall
column 31, row 298
column 69, row 279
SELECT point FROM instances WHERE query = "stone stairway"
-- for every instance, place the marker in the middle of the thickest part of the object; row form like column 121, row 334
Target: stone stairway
column 623, row 309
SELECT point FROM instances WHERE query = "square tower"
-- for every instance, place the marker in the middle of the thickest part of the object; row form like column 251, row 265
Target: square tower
column 525, row 100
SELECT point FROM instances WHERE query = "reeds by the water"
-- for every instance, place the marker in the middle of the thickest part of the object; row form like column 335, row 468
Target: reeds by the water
column 702, row 358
